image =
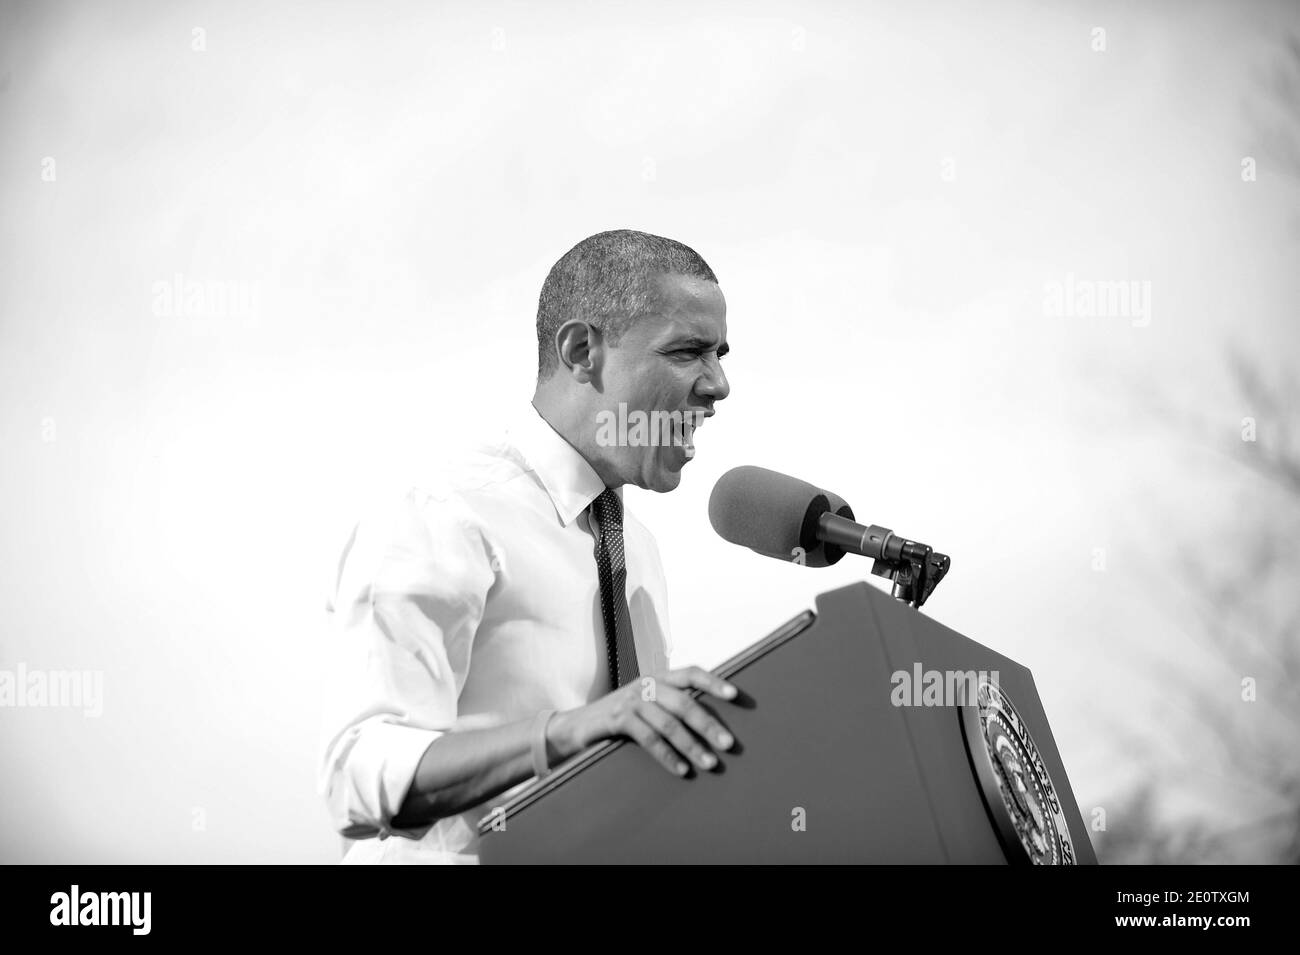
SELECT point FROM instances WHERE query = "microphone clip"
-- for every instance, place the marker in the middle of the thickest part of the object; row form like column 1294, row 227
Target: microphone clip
column 916, row 571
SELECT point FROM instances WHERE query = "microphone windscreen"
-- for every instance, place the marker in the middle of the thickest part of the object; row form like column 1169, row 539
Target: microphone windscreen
column 767, row 511
column 826, row 554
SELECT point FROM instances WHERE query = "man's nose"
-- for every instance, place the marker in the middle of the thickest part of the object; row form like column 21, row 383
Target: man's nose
column 713, row 383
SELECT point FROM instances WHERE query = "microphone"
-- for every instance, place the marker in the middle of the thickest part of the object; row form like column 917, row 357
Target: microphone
column 783, row 517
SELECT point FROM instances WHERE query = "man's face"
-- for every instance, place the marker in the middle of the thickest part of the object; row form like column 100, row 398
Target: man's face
column 667, row 361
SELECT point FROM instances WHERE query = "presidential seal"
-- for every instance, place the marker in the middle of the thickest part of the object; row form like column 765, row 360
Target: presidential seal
column 1013, row 779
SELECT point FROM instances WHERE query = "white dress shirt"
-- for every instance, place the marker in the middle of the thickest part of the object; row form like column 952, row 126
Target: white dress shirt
column 471, row 603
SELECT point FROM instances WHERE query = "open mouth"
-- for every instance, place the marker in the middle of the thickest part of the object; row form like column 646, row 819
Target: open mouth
column 684, row 428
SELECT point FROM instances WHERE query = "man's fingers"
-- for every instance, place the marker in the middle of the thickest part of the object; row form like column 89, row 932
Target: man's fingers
column 669, row 724
column 675, row 731
column 649, row 739
column 696, row 716
column 700, row 679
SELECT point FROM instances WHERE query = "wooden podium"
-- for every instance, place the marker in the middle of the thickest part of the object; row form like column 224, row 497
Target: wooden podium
column 842, row 756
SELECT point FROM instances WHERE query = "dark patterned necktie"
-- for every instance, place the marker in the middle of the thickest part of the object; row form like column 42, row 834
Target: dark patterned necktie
column 611, row 564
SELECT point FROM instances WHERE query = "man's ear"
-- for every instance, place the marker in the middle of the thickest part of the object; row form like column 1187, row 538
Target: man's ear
column 581, row 349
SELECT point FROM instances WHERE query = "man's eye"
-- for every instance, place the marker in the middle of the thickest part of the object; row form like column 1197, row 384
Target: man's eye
column 693, row 353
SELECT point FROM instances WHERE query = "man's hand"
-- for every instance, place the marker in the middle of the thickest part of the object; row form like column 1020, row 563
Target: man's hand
column 657, row 713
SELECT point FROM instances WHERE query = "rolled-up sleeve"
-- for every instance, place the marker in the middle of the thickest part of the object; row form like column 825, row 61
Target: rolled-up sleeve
column 407, row 600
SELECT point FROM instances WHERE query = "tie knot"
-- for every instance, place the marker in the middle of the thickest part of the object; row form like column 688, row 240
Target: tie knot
column 608, row 509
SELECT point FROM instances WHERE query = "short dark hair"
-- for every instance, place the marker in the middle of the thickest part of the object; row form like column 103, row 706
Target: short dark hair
column 607, row 280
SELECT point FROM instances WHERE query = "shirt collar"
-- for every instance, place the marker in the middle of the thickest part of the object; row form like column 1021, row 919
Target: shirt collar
column 570, row 481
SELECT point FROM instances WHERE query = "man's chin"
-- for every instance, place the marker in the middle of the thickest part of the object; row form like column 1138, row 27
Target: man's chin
column 662, row 477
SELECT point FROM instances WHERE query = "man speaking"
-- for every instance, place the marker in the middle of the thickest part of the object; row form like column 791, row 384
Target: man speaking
column 510, row 613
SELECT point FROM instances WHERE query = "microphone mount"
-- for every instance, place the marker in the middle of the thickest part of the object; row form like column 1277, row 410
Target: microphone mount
column 915, row 576
column 914, row 568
